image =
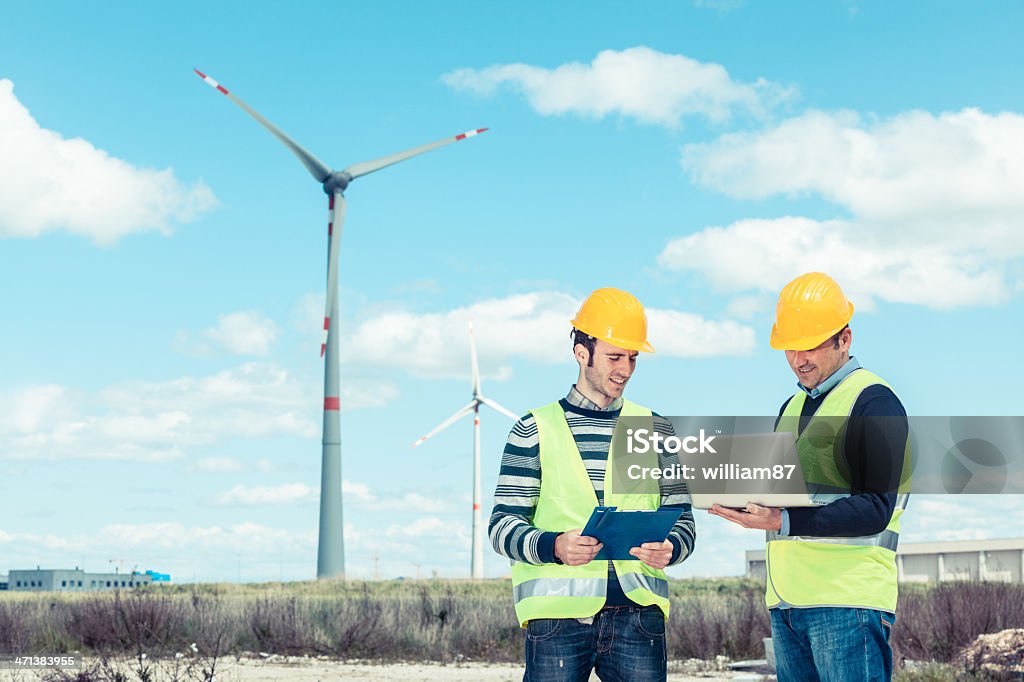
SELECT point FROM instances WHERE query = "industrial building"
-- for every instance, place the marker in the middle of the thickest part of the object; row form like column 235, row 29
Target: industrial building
column 999, row 560
column 77, row 580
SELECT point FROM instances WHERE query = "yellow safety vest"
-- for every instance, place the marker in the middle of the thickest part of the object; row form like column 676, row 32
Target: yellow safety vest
column 818, row 571
column 567, row 498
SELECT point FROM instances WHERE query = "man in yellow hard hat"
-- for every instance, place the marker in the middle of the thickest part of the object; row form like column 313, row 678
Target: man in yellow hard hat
column 832, row 573
column 580, row 614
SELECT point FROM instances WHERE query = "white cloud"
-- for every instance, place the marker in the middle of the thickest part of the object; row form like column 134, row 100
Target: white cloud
column 36, row 406
column 934, row 206
column 285, row 493
column 423, row 503
column 927, row 517
column 358, row 492
column 162, row 536
column 357, row 495
column 258, row 552
column 253, row 400
column 651, row 86
column 360, row 495
column 244, row 333
column 686, row 335
column 915, row 166
column 533, row 326
column 359, row 394
column 429, row 526
column 745, row 307
column 159, row 421
column 49, row 183
column 762, row 255
column 241, row 537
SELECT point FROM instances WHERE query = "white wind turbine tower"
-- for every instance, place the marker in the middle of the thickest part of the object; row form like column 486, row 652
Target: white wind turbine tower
column 330, row 560
column 477, row 568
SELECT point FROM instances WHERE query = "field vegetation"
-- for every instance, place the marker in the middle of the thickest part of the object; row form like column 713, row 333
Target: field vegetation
column 432, row 620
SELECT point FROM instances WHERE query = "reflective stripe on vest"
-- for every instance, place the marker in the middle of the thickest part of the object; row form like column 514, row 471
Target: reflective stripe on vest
column 641, row 581
column 887, row 539
column 563, row 587
column 818, row 571
column 567, row 498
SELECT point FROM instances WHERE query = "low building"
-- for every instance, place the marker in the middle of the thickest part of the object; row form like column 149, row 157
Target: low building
column 77, row 580
column 1000, row 560
column 3, row 582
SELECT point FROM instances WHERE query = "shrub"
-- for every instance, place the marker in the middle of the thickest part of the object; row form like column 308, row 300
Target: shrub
column 437, row 620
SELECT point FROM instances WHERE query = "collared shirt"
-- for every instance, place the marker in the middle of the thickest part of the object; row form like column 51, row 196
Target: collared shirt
column 830, row 383
column 579, row 400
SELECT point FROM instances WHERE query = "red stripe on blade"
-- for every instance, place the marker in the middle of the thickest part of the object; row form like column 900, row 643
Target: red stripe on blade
column 476, row 507
column 327, row 322
column 332, row 403
column 460, row 136
column 201, row 74
column 222, row 89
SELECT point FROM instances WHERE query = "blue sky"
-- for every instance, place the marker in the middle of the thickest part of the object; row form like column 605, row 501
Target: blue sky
column 164, row 257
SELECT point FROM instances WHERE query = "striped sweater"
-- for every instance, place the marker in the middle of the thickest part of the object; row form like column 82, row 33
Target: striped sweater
column 515, row 498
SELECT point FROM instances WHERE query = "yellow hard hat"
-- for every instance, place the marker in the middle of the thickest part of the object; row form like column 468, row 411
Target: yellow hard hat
column 811, row 308
column 614, row 316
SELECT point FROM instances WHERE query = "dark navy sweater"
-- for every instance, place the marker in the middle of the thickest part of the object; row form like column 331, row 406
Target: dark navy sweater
column 874, row 450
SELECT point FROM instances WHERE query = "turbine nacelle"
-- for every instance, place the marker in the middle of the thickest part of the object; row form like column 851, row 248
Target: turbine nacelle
column 338, row 181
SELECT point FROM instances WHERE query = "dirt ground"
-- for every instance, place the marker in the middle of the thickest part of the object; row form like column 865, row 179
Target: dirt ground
column 296, row 669
column 257, row 671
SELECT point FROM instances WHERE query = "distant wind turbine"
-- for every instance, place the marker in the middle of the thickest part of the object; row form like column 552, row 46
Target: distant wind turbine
column 477, row 565
column 331, row 552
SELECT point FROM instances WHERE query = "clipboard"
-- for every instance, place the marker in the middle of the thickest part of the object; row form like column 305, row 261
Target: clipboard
column 620, row 531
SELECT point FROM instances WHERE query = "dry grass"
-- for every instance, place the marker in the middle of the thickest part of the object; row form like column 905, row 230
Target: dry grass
column 935, row 623
column 430, row 620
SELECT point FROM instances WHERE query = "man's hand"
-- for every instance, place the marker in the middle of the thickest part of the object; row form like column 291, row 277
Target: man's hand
column 654, row 554
column 756, row 516
column 573, row 549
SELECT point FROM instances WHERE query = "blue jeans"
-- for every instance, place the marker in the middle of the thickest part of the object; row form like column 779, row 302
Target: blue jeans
column 832, row 644
column 623, row 643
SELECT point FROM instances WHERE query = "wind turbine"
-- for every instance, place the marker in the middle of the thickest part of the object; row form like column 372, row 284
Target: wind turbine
column 477, row 566
column 330, row 560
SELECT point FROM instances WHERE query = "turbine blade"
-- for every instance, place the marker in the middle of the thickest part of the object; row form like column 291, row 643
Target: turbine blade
column 472, row 355
column 495, row 406
column 336, row 217
column 316, row 168
column 468, row 409
column 363, row 167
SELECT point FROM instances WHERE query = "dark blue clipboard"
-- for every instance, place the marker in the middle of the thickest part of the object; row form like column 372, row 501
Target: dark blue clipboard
column 620, row 531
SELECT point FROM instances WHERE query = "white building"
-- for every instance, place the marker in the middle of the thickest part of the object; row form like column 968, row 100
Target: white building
column 999, row 560
column 65, row 580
